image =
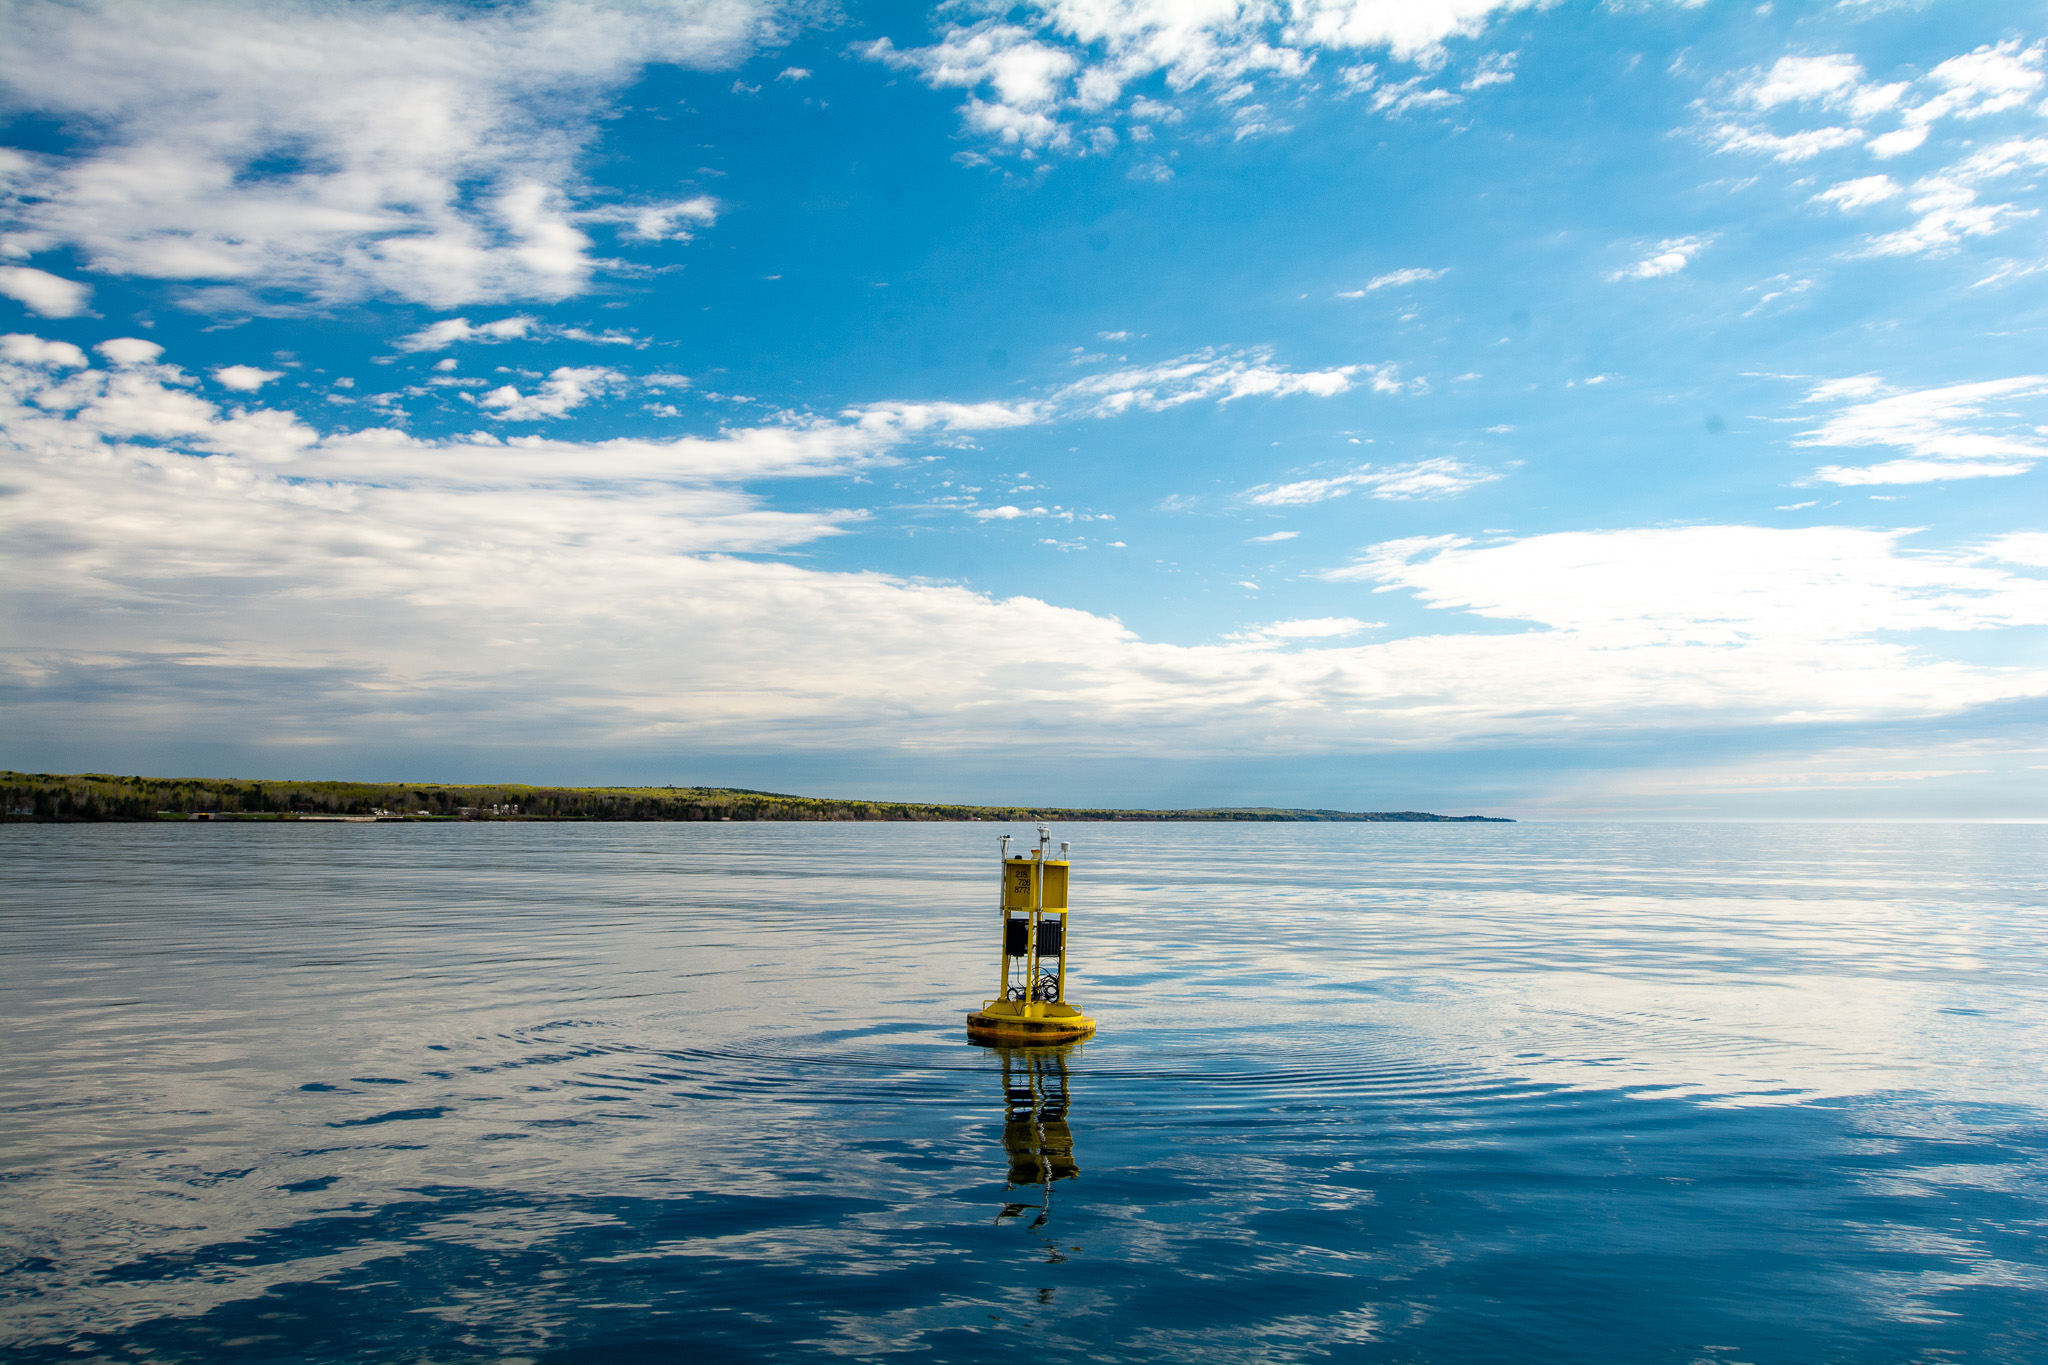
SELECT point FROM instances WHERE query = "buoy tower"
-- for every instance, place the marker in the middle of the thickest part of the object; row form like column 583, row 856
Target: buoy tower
column 1030, row 1005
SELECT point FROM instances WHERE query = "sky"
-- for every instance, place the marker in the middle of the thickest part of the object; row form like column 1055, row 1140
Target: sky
column 1562, row 410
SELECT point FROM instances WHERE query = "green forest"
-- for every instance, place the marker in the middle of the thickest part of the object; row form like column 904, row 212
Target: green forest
column 100, row 796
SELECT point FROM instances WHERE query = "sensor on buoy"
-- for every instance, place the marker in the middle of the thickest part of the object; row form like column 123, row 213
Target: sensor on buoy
column 1030, row 1005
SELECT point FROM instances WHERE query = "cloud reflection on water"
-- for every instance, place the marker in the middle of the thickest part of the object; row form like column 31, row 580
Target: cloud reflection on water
column 567, row 1091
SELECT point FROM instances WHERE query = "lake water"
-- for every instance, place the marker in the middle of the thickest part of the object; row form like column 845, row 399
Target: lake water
column 1429, row 1093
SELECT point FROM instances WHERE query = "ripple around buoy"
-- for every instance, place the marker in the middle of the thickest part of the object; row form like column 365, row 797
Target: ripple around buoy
column 1171, row 1077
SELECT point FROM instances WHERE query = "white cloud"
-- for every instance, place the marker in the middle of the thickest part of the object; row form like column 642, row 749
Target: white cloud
column 1018, row 127
column 245, row 378
column 1897, row 142
column 1027, row 78
column 1949, row 213
column 1856, row 194
column 566, row 388
column 129, row 350
column 793, row 73
column 445, row 333
column 1668, row 258
column 1438, row 478
column 466, row 590
column 659, row 222
column 1359, row 78
column 140, row 396
column 1273, row 537
column 2020, row 547
column 611, row 336
column 1402, row 97
column 1224, row 376
column 1316, row 628
column 23, row 349
column 1801, row 80
column 1408, row 31
column 1990, row 80
column 1943, row 430
column 1987, row 81
column 1714, row 586
column 1395, row 279
column 1790, row 147
column 1856, row 386
column 44, row 294
column 1050, row 65
column 1211, row 375
column 1947, row 201
column 305, row 150
column 917, row 418
column 2002, row 159
column 1494, row 69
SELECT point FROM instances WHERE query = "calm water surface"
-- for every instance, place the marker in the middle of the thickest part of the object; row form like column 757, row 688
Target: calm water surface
column 1714, row 1093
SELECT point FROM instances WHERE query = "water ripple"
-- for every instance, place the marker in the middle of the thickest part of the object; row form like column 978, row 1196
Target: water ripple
column 1447, row 1094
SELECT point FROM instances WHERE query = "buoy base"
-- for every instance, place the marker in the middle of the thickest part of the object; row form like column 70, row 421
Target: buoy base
column 1028, row 1021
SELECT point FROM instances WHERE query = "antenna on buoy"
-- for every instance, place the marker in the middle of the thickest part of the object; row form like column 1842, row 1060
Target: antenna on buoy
column 1032, row 1007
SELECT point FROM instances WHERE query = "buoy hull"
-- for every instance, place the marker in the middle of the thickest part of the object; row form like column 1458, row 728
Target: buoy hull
column 1017, row 1021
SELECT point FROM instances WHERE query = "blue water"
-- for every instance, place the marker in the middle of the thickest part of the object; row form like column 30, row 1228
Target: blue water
column 1709, row 1093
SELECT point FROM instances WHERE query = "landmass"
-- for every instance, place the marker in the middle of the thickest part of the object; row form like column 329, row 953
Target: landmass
column 100, row 796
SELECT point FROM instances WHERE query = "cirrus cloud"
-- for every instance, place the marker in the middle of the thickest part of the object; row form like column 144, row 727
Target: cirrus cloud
column 1442, row 477
column 1943, row 430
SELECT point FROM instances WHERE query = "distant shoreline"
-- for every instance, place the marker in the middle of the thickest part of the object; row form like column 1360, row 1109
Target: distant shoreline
column 74, row 797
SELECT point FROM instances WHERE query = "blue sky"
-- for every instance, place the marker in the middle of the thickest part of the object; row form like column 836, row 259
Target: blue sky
column 1557, row 410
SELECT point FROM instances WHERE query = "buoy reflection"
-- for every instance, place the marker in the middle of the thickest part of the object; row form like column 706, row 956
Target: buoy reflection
column 1036, row 1136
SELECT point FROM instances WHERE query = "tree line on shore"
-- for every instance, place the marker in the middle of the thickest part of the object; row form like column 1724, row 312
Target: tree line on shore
column 100, row 796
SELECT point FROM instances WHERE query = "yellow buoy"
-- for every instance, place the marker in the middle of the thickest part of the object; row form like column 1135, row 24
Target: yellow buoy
column 1032, row 1009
